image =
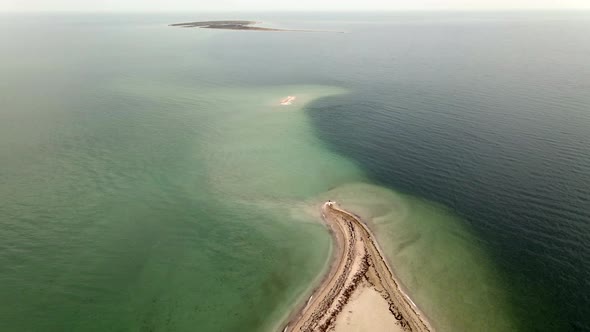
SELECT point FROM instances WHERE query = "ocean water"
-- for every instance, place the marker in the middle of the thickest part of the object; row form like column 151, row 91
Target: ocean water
column 151, row 182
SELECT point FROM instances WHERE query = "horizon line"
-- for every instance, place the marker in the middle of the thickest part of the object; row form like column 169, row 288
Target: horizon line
column 372, row 10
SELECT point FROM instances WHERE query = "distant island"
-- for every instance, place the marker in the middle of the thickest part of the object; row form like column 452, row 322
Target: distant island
column 226, row 25
column 234, row 25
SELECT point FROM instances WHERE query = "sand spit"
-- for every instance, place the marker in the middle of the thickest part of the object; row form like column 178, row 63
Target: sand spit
column 360, row 292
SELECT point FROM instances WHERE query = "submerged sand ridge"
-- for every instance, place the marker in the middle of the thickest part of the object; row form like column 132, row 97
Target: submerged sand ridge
column 360, row 292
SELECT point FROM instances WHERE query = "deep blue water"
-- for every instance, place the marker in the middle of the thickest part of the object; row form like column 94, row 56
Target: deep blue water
column 490, row 117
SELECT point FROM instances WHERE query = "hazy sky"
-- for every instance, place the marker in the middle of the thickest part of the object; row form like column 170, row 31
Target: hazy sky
column 285, row 5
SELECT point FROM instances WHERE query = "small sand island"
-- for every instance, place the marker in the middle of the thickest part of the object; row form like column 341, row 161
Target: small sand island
column 234, row 25
column 288, row 100
column 360, row 292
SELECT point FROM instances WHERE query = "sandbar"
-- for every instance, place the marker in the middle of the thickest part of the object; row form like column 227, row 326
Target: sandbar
column 360, row 291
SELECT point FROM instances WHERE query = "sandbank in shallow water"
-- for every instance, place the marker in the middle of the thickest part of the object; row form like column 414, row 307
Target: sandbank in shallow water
column 360, row 291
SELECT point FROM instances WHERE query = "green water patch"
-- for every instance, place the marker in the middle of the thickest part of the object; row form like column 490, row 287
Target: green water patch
column 254, row 148
column 256, row 248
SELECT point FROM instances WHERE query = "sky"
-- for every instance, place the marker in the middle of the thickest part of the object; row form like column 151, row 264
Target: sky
column 285, row 5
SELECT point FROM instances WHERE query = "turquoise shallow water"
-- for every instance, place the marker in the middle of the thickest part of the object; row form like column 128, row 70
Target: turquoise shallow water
column 151, row 182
